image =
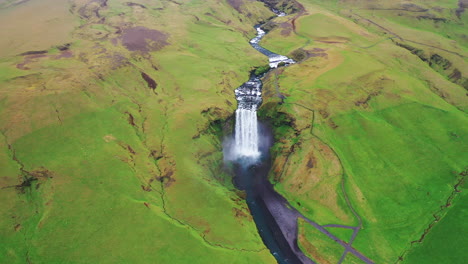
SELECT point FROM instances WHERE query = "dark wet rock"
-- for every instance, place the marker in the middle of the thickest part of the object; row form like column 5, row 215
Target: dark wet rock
column 29, row 177
column 413, row 7
column 64, row 47
column 440, row 61
column 167, row 178
column 34, row 52
column 418, row 52
column 131, row 4
column 269, row 26
column 149, row 81
column 131, row 119
column 175, row 2
column 156, row 155
column 433, row 18
column 456, row 77
column 462, row 5
column 439, row 64
column 287, row 6
column 131, row 150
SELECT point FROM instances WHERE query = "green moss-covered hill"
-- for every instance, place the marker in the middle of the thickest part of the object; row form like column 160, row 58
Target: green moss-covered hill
column 371, row 126
column 107, row 150
column 111, row 118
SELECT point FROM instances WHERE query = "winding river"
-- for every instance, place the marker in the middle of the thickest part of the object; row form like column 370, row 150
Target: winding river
column 276, row 220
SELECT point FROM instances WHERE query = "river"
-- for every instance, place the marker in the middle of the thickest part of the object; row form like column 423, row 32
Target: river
column 276, row 220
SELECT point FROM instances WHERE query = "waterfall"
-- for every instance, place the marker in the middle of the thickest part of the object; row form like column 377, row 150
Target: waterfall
column 246, row 134
column 249, row 98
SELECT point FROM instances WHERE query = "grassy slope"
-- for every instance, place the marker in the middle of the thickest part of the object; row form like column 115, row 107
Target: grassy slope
column 352, row 259
column 443, row 244
column 317, row 245
column 120, row 175
column 394, row 123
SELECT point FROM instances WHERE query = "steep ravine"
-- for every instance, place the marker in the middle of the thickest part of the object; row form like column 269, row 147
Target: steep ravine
column 275, row 218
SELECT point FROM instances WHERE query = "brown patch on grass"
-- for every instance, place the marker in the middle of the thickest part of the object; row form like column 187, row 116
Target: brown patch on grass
column 236, row 4
column 146, row 188
column 167, row 178
column 143, row 39
column 286, row 29
column 462, row 5
column 38, row 175
column 156, row 155
column 91, row 9
column 374, row 86
column 332, row 40
column 311, row 249
column 311, row 69
column 364, row 102
column 226, row 22
column 131, row 4
column 239, row 213
column 109, row 138
column 301, row 54
column 175, row 2
column 29, row 59
column 35, row 56
column 131, row 119
column 313, row 174
column 131, row 150
column 318, row 54
column 64, row 54
column 332, row 124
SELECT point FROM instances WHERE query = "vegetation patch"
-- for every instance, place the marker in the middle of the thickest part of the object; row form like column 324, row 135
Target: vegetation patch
column 261, row 70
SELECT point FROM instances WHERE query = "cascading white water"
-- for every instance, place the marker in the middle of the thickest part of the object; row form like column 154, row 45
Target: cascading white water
column 246, row 134
column 249, row 98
